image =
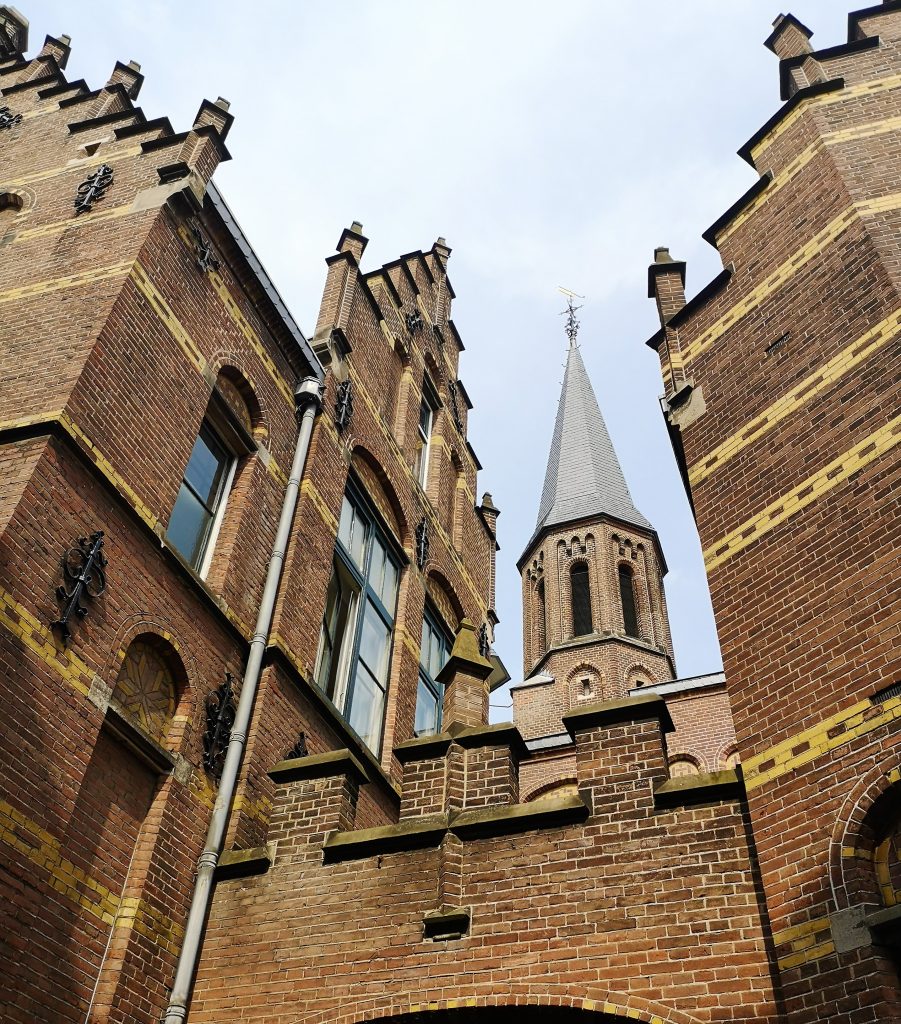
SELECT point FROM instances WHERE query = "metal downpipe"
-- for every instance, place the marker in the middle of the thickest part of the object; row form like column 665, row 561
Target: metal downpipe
column 308, row 396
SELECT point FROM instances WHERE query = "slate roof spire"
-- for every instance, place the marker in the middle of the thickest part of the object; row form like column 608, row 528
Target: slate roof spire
column 583, row 476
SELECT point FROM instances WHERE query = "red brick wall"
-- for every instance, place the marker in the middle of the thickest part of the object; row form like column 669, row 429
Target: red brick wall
column 792, row 454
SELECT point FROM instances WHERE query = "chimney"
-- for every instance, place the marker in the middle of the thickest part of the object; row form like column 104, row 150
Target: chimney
column 353, row 240
column 666, row 284
column 789, row 38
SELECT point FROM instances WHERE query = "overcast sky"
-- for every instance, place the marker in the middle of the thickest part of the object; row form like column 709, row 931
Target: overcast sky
column 552, row 143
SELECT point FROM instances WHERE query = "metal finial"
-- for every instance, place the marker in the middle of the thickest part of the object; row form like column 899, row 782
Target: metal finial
column 572, row 321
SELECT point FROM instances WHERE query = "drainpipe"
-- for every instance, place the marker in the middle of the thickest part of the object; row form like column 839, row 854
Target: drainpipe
column 308, row 396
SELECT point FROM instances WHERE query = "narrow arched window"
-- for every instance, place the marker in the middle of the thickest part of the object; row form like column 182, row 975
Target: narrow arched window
column 627, row 599
column 541, row 618
column 581, row 600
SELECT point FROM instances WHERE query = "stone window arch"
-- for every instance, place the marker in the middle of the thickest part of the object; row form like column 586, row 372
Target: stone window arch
column 148, row 685
column 681, row 765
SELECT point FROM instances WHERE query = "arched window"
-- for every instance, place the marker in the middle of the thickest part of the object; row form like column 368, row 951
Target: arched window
column 540, row 618
column 146, row 686
column 627, row 599
column 581, row 600
column 354, row 657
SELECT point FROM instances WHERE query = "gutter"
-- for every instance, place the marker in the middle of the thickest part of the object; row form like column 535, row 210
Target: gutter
column 308, row 396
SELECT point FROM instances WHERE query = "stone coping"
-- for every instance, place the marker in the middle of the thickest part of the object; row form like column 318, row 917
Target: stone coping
column 620, row 712
column 474, row 823
column 245, row 863
column 709, row 787
column 490, row 736
column 887, row 919
column 410, row 834
column 319, row 766
column 423, row 748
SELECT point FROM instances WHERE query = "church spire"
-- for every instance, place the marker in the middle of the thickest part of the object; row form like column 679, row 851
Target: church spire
column 583, row 476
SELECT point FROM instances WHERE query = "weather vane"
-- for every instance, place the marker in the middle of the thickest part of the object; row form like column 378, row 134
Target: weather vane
column 572, row 321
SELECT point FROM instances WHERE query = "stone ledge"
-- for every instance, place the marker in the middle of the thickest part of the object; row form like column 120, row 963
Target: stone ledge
column 411, row 834
column 492, row 735
column 643, row 708
column 484, row 822
column 245, row 863
column 688, row 790
column 885, row 924
column 424, row 748
column 478, row 823
column 319, row 766
column 121, row 725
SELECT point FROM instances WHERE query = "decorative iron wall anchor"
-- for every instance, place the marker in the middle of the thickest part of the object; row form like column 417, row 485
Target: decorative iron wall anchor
column 94, row 187
column 203, row 251
column 454, row 404
column 83, row 572
column 299, row 749
column 414, row 320
column 344, row 405
column 220, row 717
column 422, row 543
column 8, row 119
column 484, row 644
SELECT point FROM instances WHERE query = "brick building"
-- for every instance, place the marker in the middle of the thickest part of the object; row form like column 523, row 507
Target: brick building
column 247, row 606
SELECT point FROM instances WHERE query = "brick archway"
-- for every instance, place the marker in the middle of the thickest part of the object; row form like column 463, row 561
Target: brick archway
column 597, row 1006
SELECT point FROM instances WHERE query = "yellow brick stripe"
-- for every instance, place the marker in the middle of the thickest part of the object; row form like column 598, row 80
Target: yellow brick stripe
column 108, row 156
column 106, row 468
column 825, row 100
column 167, row 317
column 71, row 223
column 806, row 942
column 830, row 734
column 36, row 844
column 852, row 134
column 830, row 476
column 865, row 346
column 39, row 639
column 788, row 269
column 408, row 641
column 230, row 304
column 309, row 491
column 58, row 284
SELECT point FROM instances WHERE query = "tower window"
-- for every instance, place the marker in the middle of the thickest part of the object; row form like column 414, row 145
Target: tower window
column 355, row 639
column 627, row 599
column 581, row 600
column 541, row 617
column 432, row 658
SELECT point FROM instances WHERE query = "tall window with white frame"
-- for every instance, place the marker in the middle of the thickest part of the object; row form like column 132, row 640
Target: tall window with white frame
column 354, row 656
column 201, row 501
column 427, row 409
column 433, row 654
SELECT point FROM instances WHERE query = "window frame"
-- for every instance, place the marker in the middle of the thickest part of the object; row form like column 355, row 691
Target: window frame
column 234, row 440
column 430, row 401
column 431, row 617
column 582, row 570
column 345, row 681
column 624, row 572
